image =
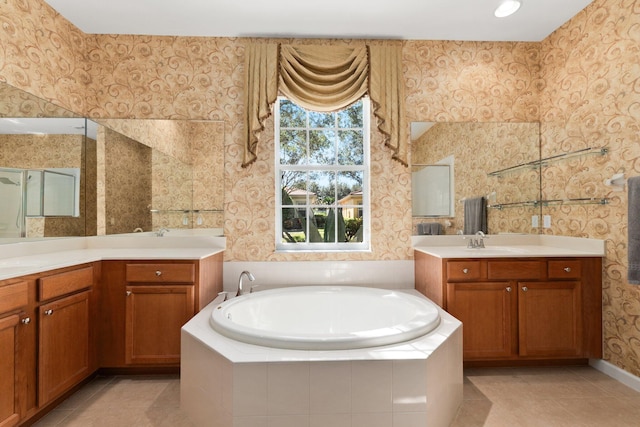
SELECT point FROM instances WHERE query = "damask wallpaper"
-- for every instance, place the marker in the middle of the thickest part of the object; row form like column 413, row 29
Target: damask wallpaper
column 591, row 98
column 581, row 83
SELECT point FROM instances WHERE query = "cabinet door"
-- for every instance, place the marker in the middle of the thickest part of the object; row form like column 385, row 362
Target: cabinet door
column 487, row 312
column 63, row 339
column 550, row 319
column 154, row 317
column 8, row 409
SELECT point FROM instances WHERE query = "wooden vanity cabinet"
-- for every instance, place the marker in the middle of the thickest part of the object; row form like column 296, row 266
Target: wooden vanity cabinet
column 13, row 302
column 488, row 315
column 159, row 300
column 46, row 339
column 66, row 348
column 144, row 305
column 519, row 309
column 550, row 319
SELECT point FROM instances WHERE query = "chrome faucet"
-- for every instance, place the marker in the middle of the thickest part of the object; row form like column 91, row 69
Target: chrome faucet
column 249, row 276
column 476, row 243
column 161, row 232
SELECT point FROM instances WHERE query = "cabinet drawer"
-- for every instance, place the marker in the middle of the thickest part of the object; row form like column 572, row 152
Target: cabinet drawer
column 64, row 283
column 516, row 270
column 13, row 296
column 165, row 273
column 565, row 269
column 464, row 270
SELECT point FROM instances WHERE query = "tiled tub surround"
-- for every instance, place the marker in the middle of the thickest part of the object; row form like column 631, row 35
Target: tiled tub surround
column 397, row 274
column 227, row 383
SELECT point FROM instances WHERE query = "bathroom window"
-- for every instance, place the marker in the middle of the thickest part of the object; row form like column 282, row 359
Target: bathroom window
column 322, row 177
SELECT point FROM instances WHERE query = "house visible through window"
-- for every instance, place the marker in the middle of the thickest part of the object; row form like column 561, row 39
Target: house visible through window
column 322, row 177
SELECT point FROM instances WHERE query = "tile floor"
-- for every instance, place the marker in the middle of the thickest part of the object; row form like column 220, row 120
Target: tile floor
column 493, row 397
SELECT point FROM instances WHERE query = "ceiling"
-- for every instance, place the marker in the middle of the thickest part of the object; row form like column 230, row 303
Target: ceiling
column 471, row 20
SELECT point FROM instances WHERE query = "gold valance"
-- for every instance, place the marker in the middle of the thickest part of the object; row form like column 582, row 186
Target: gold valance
column 325, row 78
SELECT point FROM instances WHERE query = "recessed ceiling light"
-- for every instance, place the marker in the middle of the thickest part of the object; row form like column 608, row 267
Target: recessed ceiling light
column 507, row 7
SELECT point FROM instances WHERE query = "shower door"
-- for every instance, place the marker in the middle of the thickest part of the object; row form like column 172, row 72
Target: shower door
column 11, row 203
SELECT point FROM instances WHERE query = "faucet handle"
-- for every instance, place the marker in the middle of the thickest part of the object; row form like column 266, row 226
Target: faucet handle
column 161, row 231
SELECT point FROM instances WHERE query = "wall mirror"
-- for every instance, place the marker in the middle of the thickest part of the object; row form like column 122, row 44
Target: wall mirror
column 153, row 174
column 482, row 157
column 133, row 174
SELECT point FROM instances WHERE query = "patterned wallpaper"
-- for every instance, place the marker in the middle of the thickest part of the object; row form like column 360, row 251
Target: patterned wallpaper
column 43, row 53
column 18, row 103
column 126, row 184
column 591, row 98
column 481, row 148
column 581, row 83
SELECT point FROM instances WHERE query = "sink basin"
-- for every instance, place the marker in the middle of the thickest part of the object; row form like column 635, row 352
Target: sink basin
column 498, row 250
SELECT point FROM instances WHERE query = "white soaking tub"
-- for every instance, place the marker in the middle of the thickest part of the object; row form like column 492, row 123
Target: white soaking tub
column 325, row 317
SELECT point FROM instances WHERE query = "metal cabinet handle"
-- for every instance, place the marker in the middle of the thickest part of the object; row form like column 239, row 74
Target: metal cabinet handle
column 567, row 269
column 508, row 288
column 525, row 289
column 26, row 320
column 48, row 312
column 128, row 293
column 465, row 270
column 158, row 273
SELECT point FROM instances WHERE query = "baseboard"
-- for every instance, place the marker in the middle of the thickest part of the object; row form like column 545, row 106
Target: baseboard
column 616, row 373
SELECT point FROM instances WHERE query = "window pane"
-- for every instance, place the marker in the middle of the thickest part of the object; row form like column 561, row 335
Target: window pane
column 294, row 188
column 350, row 187
column 291, row 115
column 293, row 147
column 323, row 184
column 320, row 217
column 315, row 232
column 321, row 120
column 322, row 149
column 353, row 224
column 350, row 147
column 292, row 226
column 351, row 117
column 335, row 227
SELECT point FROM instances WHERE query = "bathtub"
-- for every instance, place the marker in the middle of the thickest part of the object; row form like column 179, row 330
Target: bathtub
column 325, row 317
column 226, row 381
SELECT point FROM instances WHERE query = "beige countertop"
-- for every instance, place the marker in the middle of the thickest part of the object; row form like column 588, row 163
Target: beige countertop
column 510, row 246
column 21, row 259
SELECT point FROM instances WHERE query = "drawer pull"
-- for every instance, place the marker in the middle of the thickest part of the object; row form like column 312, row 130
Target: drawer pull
column 48, row 312
column 26, row 320
column 525, row 289
column 465, row 270
column 158, row 273
column 567, row 269
column 508, row 288
column 128, row 293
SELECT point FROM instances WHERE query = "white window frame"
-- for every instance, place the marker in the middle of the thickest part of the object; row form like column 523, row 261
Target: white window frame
column 363, row 246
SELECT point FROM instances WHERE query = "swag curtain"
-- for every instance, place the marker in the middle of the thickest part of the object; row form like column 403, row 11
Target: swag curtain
column 325, row 78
